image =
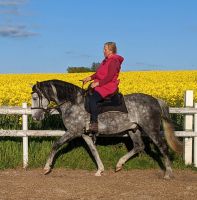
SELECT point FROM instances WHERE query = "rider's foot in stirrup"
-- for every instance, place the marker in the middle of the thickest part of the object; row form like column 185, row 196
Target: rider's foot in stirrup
column 92, row 131
column 93, row 127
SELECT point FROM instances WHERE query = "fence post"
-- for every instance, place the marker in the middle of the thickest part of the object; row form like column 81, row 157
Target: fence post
column 25, row 138
column 188, row 127
column 195, row 138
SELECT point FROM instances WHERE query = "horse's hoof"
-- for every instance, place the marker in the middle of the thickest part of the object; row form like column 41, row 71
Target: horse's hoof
column 168, row 176
column 98, row 173
column 47, row 171
column 118, row 169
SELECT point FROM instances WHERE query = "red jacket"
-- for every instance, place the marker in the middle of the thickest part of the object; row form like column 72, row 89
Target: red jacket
column 107, row 75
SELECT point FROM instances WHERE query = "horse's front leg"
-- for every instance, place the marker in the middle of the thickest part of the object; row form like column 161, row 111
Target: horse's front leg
column 57, row 144
column 94, row 151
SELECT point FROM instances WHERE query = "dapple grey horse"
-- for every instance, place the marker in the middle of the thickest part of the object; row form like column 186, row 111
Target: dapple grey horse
column 144, row 116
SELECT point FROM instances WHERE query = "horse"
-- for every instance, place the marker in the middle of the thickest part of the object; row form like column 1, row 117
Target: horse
column 144, row 116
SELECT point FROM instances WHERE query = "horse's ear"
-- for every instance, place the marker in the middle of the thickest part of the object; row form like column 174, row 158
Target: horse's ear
column 37, row 84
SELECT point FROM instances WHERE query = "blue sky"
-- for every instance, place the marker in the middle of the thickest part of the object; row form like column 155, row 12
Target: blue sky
column 46, row 36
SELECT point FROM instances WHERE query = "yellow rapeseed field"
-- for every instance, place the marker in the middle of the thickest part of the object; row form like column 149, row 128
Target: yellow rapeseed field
column 168, row 85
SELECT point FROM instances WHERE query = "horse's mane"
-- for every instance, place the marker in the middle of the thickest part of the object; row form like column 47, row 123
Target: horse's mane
column 65, row 91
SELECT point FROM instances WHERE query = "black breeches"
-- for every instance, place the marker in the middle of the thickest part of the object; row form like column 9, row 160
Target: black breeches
column 94, row 99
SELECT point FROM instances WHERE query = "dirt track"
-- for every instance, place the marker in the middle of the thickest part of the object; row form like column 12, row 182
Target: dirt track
column 79, row 184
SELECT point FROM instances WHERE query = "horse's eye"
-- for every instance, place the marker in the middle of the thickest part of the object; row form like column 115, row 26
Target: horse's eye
column 35, row 98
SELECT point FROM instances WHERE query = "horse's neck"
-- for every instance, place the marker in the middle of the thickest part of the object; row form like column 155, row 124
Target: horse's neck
column 68, row 109
column 66, row 104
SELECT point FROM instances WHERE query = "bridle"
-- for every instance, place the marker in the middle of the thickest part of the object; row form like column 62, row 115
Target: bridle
column 41, row 92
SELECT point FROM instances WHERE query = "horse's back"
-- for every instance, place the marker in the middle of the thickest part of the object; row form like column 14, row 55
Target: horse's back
column 141, row 98
column 143, row 107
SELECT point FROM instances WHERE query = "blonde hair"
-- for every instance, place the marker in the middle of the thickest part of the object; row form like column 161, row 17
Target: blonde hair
column 111, row 46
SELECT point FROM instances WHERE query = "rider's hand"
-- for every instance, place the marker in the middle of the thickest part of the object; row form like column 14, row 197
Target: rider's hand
column 94, row 84
column 87, row 79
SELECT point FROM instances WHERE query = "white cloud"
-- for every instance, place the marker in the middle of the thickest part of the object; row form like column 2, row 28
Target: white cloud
column 11, row 8
column 10, row 12
column 15, row 31
column 12, row 3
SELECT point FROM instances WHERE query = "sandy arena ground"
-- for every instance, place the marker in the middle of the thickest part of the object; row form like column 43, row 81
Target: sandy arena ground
column 80, row 184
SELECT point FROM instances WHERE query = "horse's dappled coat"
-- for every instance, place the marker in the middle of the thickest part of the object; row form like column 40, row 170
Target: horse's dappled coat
column 144, row 110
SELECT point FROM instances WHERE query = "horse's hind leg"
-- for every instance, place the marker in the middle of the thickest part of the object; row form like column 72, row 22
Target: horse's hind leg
column 138, row 146
column 57, row 144
column 94, row 151
column 163, row 148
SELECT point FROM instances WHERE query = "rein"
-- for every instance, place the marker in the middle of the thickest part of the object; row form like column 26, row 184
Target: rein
column 89, row 90
column 82, row 88
column 48, row 109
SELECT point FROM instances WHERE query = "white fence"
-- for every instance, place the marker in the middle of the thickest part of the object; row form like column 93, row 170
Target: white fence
column 189, row 134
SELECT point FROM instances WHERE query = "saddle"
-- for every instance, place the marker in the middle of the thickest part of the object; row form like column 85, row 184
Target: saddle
column 113, row 102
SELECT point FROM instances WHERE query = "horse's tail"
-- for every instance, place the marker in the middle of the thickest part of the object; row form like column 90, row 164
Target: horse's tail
column 172, row 140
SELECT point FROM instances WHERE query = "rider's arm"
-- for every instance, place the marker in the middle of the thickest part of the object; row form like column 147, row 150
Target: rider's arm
column 93, row 76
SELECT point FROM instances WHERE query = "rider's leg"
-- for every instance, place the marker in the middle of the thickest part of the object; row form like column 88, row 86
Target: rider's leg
column 94, row 99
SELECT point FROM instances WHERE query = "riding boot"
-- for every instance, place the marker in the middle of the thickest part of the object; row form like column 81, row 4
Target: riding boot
column 93, row 130
column 93, row 127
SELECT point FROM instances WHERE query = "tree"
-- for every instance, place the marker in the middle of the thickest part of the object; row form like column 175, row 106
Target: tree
column 93, row 68
column 78, row 69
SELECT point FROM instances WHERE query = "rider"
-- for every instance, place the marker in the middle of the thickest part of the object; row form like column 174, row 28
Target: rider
column 105, row 81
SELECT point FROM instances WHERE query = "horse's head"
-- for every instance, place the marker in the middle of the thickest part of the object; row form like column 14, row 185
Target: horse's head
column 40, row 102
column 57, row 91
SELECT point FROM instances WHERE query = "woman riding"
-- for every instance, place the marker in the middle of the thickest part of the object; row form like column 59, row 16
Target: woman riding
column 105, row 81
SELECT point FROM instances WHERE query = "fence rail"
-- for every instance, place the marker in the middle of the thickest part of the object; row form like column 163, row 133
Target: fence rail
column 54, row 133
column 16, row 110
column 189, row 134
